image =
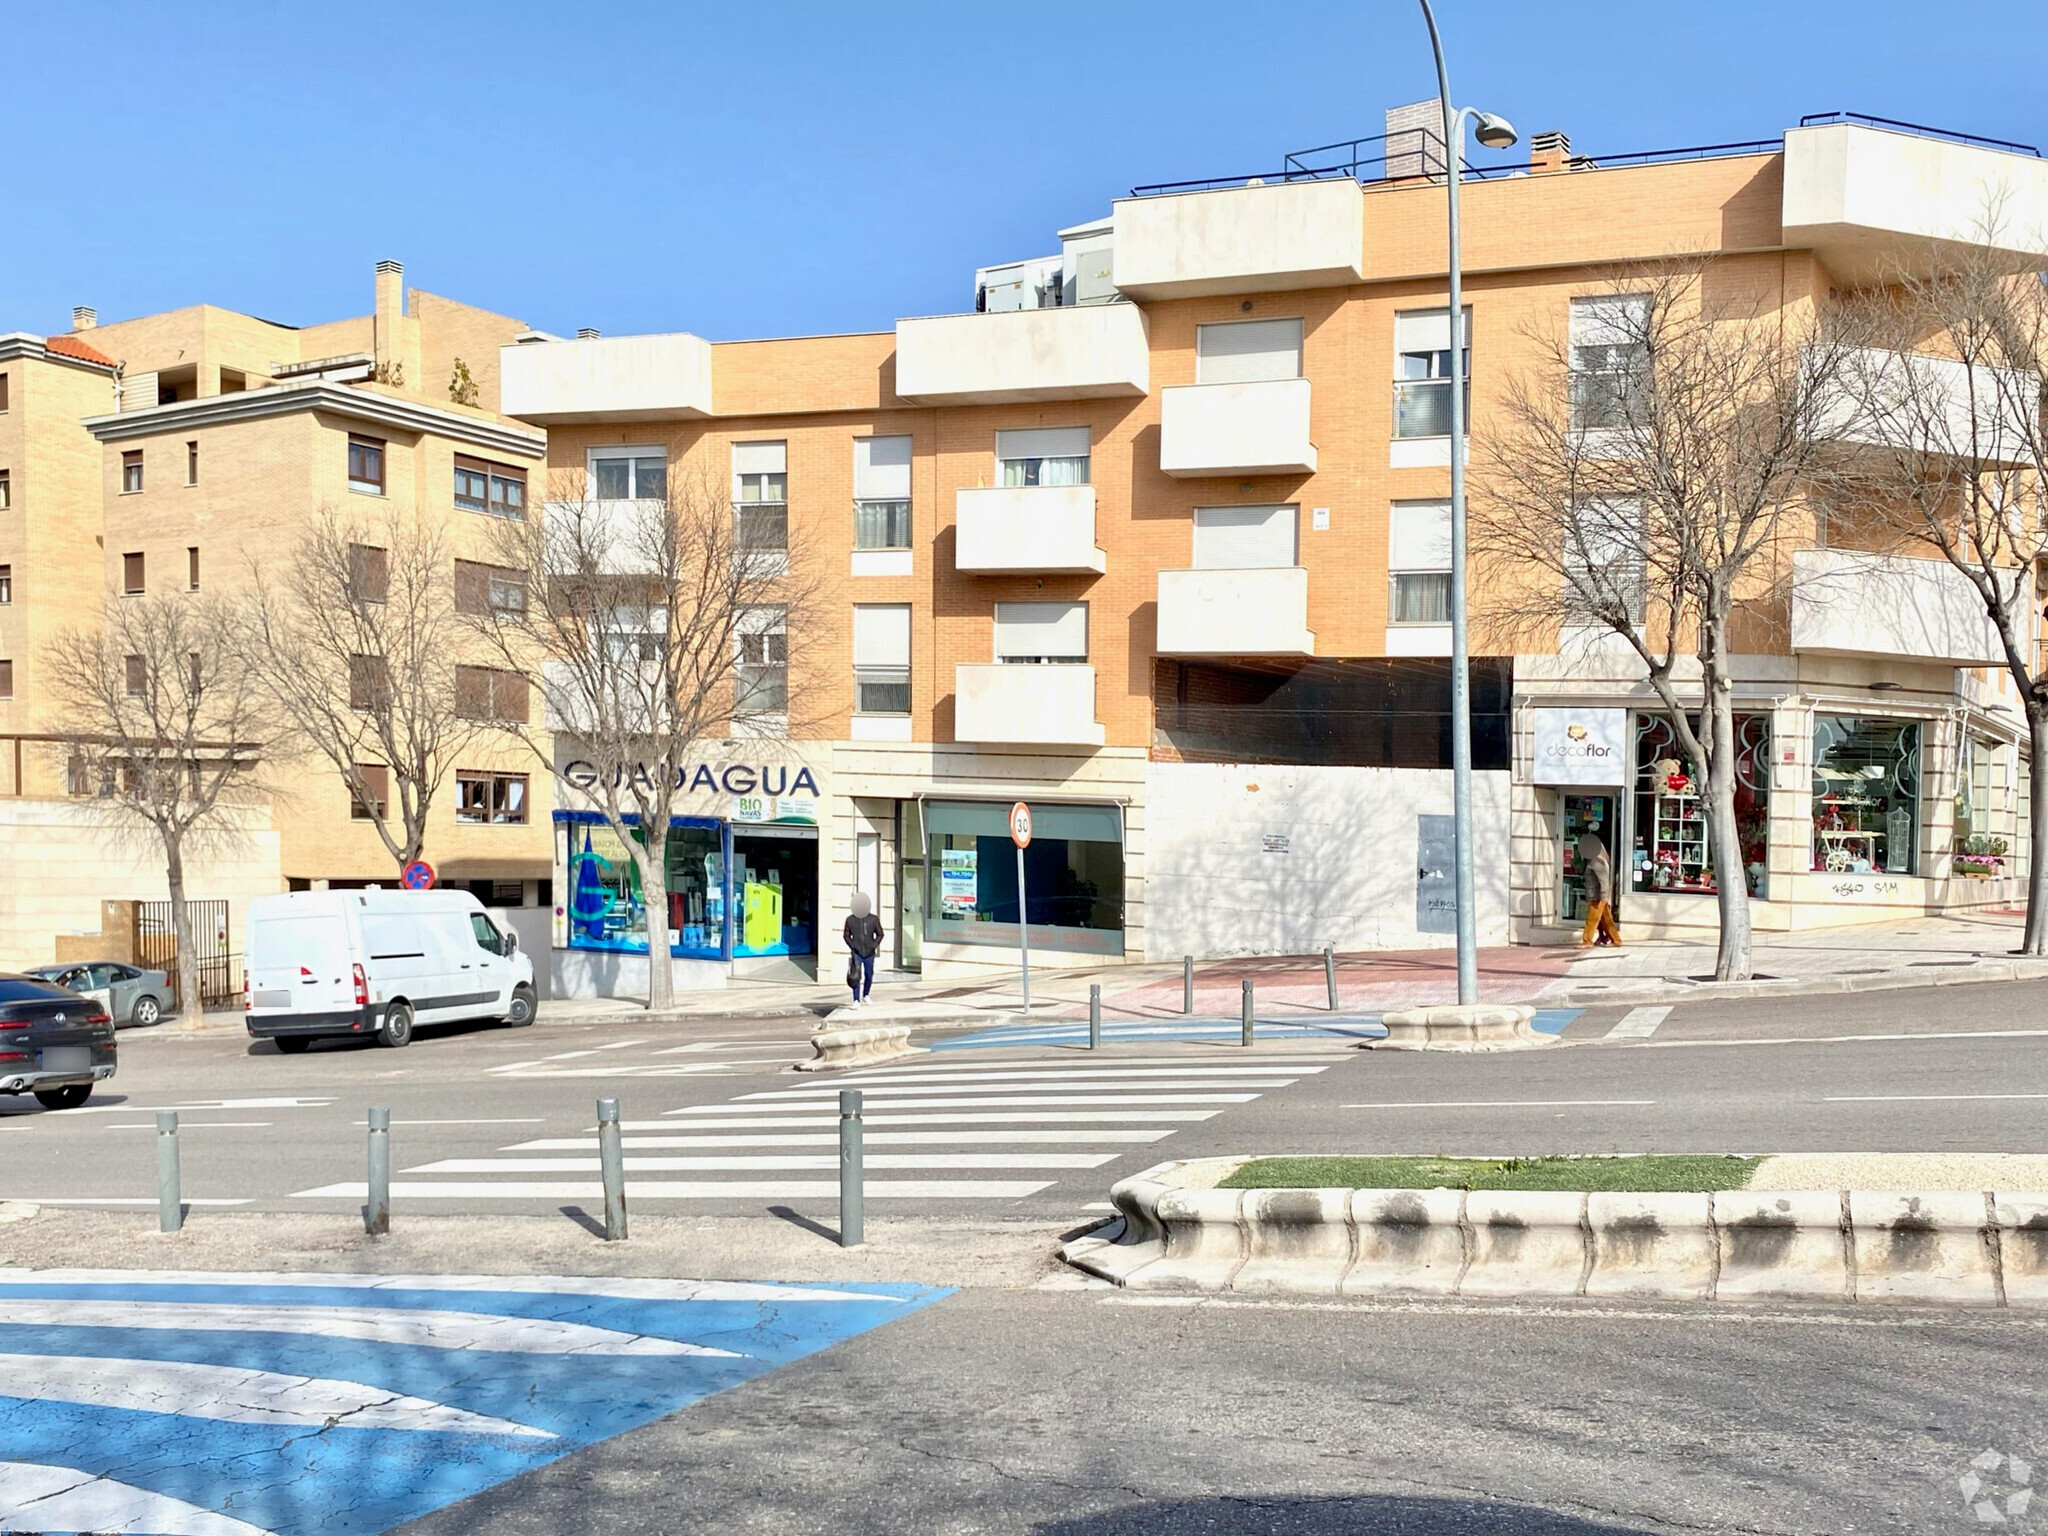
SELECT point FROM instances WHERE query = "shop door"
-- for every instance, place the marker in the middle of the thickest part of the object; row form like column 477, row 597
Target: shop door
column 1582, row 814
column 909, row 886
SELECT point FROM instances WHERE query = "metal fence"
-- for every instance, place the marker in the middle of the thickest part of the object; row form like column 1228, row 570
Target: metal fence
column 155, row 945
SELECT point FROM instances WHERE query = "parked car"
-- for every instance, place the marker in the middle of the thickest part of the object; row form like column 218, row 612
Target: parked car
column 53, row 1043
column 131, row 994
column 377, row 962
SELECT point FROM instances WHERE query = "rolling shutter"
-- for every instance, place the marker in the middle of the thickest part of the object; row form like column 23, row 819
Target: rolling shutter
column 1244, row 538
column 1248, row 351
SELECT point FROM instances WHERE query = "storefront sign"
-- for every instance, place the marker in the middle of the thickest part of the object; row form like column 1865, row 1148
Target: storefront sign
column 1581, row 746
column 958, row 886
column 801, row 809
column 761, row 779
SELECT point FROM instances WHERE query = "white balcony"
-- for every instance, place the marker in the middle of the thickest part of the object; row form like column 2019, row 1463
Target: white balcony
column 1846, row 603
column 1302, row 234
column 1049, row 705
column 1933, row 405
column 1236, row 429
column 602, row 378
column 1028, row 529
column 1258, row 612
column 1090, row 352
column 1875, row 203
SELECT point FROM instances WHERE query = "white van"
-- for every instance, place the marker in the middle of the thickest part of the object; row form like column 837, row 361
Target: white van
column 363, row 962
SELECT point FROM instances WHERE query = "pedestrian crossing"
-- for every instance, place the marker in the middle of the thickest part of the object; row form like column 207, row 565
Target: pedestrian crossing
column 935, row 1130
column 700, row 1058
column 192, row 1404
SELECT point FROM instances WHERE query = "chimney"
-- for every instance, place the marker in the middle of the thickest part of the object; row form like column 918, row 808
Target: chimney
column 588, row 333
column 83, row 318
column 1415, row 140
column 1550, row 151
column 387, row 332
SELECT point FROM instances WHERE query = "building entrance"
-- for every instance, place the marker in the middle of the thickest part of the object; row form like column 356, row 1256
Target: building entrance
column 774, row 891
column 1585, row 813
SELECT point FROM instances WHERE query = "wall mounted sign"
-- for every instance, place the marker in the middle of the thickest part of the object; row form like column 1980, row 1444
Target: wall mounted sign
column 1581, row 746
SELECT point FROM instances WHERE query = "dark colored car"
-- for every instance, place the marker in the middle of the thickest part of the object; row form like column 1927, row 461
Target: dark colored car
column 53, row 1043
column 132, row 994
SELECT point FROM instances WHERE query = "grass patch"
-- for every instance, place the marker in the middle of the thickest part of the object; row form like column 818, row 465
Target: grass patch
column 1678, row 1174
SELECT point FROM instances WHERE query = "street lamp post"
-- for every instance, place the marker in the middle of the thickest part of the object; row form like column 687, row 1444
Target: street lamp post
column 1495, row 133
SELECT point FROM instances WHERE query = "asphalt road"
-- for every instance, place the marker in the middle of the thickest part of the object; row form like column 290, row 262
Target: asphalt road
column 1085, row 1413
column 496, row 1119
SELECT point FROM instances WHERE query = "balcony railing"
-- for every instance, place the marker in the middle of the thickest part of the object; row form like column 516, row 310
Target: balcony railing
column 1422, row 407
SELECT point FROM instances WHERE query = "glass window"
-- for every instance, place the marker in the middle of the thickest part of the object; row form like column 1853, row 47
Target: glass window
column 1073, row 876
column 629, row 477
column 1671, row 851
column 881, row 525
column 1043, row 456
column 1422, row 372
column 472, row 485
column 881, row 658
column 881, row 492
column 491, row 799
column 508, row 492
column 6, row 583
column 487, row 938
column 365, row 465
column 1421, row 597
column 1866, row 795
column 608, row 909
column 131, row 471
column 1610, row 357
column 761, row 676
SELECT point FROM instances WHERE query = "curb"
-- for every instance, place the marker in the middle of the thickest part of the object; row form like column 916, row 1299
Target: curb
column 1660, row 989
column 838, row 1048
column 1882, row 1246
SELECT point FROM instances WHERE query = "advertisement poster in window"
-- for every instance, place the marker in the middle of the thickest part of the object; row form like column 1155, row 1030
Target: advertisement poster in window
column 958, row 883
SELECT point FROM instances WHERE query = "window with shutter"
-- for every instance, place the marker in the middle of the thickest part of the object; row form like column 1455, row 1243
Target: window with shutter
column 881, row 493
column 881, row 658
column 1041, row 632
column 1043, row 456
column 368, row 682
column 1244, row 538
column 1422, row 372
column 1248, row 351
column 135, row 675
column 6, row 679
column 369, row 573
column 376, row 779
column 1419, row 562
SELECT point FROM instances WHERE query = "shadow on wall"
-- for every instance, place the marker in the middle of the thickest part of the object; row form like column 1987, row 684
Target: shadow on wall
column 1330, row 1517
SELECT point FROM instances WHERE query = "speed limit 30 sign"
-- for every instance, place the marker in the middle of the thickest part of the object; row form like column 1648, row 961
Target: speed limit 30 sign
column 1020, row 824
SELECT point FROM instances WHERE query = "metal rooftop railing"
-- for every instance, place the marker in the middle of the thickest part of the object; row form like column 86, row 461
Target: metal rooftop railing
column 1817, row 119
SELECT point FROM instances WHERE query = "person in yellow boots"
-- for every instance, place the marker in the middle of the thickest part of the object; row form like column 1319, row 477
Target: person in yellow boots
column 1598, row 872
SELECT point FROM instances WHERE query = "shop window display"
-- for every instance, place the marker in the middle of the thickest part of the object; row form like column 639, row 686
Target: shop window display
column 1671, row 851
column 1073, row 875
column 1866, row 795
column 608, row 907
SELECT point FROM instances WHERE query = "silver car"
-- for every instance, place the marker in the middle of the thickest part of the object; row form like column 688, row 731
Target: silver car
column 131, row 994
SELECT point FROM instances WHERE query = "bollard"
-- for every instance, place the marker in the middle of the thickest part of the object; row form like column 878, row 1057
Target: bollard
column 377, row 1209
column 852, row 1216
column 1187, row 983
column 1330, row 973
column 1247, row 1011
column 612, row 1162
column 170, row 1200
column 1094, row 1018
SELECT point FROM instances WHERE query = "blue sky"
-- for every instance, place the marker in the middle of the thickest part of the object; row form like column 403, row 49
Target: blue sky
column 776, row 169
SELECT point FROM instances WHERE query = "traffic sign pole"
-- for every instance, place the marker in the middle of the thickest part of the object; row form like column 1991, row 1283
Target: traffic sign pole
column 1020, row 834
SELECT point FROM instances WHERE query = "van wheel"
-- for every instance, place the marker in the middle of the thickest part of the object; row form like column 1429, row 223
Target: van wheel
column 148, row 1011
column 293, row 1045
column 396, row 1030
column 521, row 1011
column 64, row 1098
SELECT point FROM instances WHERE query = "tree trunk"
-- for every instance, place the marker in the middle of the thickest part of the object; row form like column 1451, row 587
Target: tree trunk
column 189, row 1002
column 1732, row 962
column 652, row 857
column 2035, row 941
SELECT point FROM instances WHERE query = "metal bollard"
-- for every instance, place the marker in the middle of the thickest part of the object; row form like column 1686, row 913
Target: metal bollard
column 1330, row 973
column 1247, row 1003
column 377, row 1208
column 852, row 1215
column 611, row 1161
column 1094, row 1018
column 170, row 1199
column 1187, row 983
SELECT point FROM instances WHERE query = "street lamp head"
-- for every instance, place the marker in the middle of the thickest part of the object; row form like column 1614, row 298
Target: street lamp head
column 1493, row 132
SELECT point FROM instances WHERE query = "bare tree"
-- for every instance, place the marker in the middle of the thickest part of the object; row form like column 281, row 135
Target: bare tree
column 653, row 623
column 1648, row 479
column 1945, row 405
column 169, row 725
column 359, row 641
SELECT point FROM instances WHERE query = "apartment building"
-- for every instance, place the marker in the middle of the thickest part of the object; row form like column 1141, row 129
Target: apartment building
column 189, row 453
column 1155, row 539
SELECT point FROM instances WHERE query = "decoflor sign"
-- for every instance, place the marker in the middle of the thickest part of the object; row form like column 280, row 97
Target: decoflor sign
column 1581, row 746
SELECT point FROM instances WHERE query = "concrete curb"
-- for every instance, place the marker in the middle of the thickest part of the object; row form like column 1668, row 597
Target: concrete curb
column 1664, row 989
column 1884, row 1246
column 1461, row 1027
column 838, row 1048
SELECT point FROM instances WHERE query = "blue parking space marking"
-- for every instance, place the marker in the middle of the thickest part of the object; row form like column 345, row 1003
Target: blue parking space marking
column 238, row 1405
column 1365, row 1026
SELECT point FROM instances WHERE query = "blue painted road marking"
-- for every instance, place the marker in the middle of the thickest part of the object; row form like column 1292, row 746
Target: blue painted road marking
column 1364, row 1026
column 237, row 1405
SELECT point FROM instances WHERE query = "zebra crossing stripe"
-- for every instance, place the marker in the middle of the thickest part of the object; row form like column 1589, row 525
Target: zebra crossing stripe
column 726, row 1116
column 67, row 1499
column 1024, row 1136
column 705, row 1189
column 784, row 1163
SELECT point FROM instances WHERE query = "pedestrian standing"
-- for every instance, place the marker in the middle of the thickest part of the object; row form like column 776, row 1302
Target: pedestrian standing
column 863, row 935
column 1597, row 870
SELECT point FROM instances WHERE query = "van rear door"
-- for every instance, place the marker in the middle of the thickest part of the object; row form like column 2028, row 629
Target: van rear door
column 301, row 965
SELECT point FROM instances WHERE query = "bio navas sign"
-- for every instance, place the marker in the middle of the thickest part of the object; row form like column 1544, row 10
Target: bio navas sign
column 1581, row 746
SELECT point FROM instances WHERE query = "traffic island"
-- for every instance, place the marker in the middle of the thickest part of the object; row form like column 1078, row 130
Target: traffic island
column 1606, row 1228
column 859, row 1047
column 1462, row 1027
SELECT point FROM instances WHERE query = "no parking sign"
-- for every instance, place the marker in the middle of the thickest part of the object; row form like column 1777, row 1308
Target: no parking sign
column 418, row 876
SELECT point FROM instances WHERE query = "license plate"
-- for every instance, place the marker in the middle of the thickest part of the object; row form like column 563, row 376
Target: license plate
column 269, row 998
column 67, row 1058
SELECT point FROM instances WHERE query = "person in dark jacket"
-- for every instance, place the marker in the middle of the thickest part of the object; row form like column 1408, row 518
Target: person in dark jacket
column 863, row 935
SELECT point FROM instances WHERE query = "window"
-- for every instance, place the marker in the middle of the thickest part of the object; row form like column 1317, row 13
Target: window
column 761, row 674
column 1247, row 351
column 493, row 799
column 135, row 676
column 606, row 909
column 490, row 693
column 488, row 939
column 497, row 489
column 1073, row 876
column 1671, row 851
column 760, row 495
column 881, row 658
column 489, row 591
column 131, row 471
column 369, row 682
column 3, row 391
column 1976, row 764
column 192, row 463
column 1866, row 795
column 131, row 573
column 628, row 474
column 1041, row 632
column 366, row 464
column 371, row 805
column 1043, row 456
column 6, row 491
column 6, row 583
column 369, row 573
column 6, row 668
column 1610, row 357
column 1606, row 566
column 192, row 567
column 1422, row 372
column 1244, row 538
column 881, row 493
column 1419, row 562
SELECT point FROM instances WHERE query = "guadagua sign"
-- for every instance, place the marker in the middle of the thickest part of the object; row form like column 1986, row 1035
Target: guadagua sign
column 710, row 778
